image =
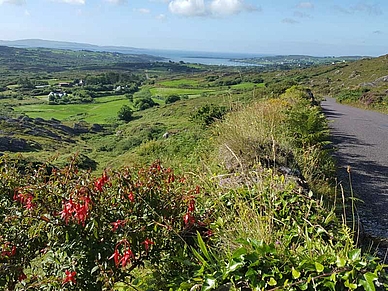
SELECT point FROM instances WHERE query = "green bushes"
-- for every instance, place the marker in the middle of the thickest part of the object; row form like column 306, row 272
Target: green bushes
column 208, row 113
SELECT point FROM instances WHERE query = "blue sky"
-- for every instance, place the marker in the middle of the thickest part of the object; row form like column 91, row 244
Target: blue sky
column 320, row 27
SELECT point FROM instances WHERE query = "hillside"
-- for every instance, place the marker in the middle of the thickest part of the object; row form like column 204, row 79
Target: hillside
column 54, row 60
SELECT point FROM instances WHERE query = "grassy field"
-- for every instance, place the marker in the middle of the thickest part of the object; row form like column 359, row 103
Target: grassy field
column 247, row 86
column 181, row 83
column 102, row 111
column 164, row 92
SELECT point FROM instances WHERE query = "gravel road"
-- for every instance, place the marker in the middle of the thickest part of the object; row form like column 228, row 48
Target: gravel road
column 361, row 140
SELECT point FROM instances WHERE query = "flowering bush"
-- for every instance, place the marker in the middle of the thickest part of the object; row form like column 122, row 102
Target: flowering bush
column 64, row 229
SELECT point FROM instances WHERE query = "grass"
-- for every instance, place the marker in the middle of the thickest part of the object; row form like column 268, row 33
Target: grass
column 102, row 111
column 180, row 83
column 247, row 86
column 164, row 92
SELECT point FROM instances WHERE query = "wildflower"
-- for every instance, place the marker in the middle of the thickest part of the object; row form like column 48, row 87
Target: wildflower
column 117, row 224
column 147, row 243
column 116, row 257
column 188, row 219
column 70, row 277
column 100, row 182
column 131, row 197
column 22, row 277
column 67, row 210
column 191, row 206
column 126, row 258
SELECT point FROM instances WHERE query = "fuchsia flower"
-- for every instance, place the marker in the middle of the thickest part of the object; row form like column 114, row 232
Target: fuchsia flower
column 25, row 199
column 117, row 224
column 100, row 182
column 22, row 277
column 147, row 243
column 76, row 211
column 124, row 259
column 70, row 277
column 116, row 257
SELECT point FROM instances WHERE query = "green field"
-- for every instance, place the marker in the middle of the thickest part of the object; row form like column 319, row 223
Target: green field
column 180, row 83
column 163, row 92
column 103, row 110
column 247, row 86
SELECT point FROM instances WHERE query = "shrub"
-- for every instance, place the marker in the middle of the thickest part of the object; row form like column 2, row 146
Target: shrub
column 62, row 229
column 125, row 113
column 209, row 113
column 144, row 103
column 172, row 98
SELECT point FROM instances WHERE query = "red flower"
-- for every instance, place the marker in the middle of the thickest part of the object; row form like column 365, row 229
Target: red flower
column 147, row 243
column 13, row 251
column 126, row 258
column 70, row 277
column 117, row 224
column 191, row 206
column 131, row 197
column 116, row 257
column 189, row 219
column 100, row 182
column 22, row 277
column 67, row 211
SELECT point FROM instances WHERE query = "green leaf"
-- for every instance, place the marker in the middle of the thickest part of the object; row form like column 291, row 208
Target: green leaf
column 94, row 269
column 341, row 262
column 330, row 285
column 203, row 247
column 239, row 253
column 295, row 273
column 233, row 266
column 351, row 286
column 355, row 254
column 272, row 282
column 368, row 282
column 210, row 284
column 319, row 267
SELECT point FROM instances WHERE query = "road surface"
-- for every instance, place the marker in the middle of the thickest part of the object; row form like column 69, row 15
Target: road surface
column 361, row 140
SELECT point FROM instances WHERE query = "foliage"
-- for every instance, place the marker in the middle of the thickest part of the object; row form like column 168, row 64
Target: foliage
column 172, row 98
column 144, row 103
column 125, row 113
column 64, row 230
column 208, row 113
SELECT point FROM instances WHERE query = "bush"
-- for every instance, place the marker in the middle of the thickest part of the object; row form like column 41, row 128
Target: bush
column 172, row 98
column 144, row 103
column 207, row 114
column 125, row 113
column 62, row 229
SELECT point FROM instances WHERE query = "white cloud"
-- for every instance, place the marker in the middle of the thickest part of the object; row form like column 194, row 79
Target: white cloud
column 117, row 2
column 209, row 7
column 229, row 7
column 77, row 2
column 305, row 5
column 188, row 7
column 14, row 2
column 27, row 13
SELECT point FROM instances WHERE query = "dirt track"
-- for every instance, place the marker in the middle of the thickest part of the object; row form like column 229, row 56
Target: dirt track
column 361, row 140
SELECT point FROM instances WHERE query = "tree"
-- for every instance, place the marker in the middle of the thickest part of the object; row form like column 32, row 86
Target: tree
column 172, row 98
column 125, row 113
column 144, row 103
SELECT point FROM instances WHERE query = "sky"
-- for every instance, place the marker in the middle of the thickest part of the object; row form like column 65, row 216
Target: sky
column 319, row 27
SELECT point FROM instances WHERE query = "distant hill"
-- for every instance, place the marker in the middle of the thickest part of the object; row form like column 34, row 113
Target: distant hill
column 40, row 43
column 54, row 60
